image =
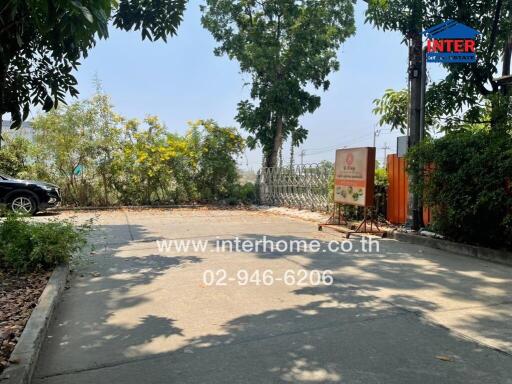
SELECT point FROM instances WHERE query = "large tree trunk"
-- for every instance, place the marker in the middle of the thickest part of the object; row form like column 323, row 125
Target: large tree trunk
column 278, row 140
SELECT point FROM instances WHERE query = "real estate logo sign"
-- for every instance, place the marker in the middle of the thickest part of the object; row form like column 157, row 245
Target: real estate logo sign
column 354, row 176
column 451, row 42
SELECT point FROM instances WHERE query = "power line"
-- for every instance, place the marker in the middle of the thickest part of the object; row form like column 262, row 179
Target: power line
column 354, row 140
column 328, row 149
column 338, row 145
column 385, row 148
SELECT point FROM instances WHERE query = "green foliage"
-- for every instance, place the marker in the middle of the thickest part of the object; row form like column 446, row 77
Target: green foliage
column 246, row 193
column 155, row 166
column 125, row 161
column 86, row 134
column 380, row 190
column 469, row 186
column 26, row 245
column 14, row 155
column 215, row 174
column 392, row 109
column 141, row 166
column 44, row 41
column 381, row 177
column 285, row 46
column 241, row 194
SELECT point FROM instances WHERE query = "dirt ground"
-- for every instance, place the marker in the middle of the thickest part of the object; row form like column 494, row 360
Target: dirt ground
column 18, row 297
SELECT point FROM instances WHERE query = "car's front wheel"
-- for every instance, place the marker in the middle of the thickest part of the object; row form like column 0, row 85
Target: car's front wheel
column 25, row 205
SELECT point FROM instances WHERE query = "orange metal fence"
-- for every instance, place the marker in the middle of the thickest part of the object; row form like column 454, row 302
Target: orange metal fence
column 398, row 191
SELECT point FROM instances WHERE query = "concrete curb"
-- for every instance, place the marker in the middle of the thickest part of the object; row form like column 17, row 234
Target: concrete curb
column 27, row 349
column 113, row 208
column 493, row 255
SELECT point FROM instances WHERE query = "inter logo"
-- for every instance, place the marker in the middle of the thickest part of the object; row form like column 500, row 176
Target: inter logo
column 451, row 42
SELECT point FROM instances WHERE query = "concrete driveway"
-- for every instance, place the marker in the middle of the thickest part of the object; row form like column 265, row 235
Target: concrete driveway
column 404, row 314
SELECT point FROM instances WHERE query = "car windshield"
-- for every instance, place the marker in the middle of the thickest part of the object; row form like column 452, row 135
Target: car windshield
column 5, row 177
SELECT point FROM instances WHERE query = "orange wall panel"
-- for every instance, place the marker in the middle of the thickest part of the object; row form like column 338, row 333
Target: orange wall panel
column 398, row 192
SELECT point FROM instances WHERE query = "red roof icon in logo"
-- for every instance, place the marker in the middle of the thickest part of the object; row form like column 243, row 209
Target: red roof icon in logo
column 349, row 159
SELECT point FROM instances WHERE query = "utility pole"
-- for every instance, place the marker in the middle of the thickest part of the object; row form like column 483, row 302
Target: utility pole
column 419, row 199
column 423, row 90
column 302, row 154
column 415, row 99
column 385, row 148
column 376, row 132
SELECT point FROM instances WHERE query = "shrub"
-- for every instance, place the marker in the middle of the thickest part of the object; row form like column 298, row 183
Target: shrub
column 380, row 190
column 246, row 193
column 14, row 155
column 128, row 162
column 26, row 246
column 468, row 188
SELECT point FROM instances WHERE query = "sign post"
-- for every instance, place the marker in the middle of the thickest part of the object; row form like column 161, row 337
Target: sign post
column 354, row 185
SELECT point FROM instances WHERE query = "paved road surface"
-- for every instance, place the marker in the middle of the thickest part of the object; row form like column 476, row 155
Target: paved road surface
column 405, row 314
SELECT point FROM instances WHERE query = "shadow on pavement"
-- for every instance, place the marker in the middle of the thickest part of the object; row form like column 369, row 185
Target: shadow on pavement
column 368, row 327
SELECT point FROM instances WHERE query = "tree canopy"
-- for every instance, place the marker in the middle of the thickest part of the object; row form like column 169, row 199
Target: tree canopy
column 468, row 89
column 42, row 42
column 285, row 46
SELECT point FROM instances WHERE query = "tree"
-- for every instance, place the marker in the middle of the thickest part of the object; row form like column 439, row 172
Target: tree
column 285, row 46
column 14, row 157
column 106, row 138
column 42, row 42
column 468, row 88
column 144, row 171
column 218, row 148
column 67, row 139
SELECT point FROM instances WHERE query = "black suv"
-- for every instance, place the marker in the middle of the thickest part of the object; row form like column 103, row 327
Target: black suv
column 27, row 196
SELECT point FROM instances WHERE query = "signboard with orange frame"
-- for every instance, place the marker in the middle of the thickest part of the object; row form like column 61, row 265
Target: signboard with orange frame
column 354, row 176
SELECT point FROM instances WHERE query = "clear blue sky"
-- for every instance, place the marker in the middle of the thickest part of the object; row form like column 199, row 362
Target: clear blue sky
column 182, row 80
